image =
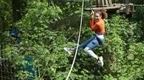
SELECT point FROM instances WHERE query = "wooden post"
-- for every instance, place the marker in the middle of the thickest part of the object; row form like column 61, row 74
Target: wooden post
column 110, row 2
column 99, row 3
column 103, row 3
column 106, row 1
column 127, row 6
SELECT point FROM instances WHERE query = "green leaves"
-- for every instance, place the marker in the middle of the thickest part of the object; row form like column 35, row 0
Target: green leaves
column 124, row 49
column 44, row 34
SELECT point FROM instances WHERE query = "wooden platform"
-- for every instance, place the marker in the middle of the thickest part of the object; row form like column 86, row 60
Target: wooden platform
column 114, row 6
column 99, row 8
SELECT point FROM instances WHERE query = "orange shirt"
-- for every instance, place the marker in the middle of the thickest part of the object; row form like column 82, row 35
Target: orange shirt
column 97, row 26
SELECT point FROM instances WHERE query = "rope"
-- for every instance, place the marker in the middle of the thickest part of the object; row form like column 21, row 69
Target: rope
column 81, row 21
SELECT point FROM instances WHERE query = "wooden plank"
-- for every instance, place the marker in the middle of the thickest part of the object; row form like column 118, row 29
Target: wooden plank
column 138, row 5
column 99, row 2
column 103, row 3
column 106, row 1
column 110, row 2
column 127, row 6
column 99, row 8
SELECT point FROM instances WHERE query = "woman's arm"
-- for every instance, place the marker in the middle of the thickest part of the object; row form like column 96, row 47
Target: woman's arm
column 92, row 14
column 92, row 21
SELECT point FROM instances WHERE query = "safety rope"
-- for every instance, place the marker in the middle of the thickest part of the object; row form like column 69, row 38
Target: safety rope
column 81, row 21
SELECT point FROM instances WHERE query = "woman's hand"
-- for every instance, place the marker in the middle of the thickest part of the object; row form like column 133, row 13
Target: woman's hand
column 92, row 14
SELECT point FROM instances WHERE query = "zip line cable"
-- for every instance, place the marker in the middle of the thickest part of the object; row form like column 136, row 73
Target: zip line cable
column 81, row 21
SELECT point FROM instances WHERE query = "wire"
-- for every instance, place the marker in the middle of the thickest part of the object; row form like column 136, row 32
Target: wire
column 81, row 21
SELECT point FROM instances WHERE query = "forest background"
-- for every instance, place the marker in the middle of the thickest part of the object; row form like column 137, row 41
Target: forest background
column 45, row 27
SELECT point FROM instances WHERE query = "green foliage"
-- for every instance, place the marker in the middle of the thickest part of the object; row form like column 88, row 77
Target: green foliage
column 139, row 13
column 121, row 39
column 5, row 13
column 38, row 41
column 139, row 18
column 46, row 28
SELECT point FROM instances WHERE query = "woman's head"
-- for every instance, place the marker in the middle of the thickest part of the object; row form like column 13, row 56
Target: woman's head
column 100, row 14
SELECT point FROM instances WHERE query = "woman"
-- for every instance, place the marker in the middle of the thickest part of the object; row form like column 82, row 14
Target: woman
column 97, row 26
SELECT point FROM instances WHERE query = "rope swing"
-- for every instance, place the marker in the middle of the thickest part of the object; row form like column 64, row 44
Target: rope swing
column 80, row 28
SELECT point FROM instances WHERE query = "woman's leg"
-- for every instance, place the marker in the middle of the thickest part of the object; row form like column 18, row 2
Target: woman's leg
column 85, row 43
column 71, row 50
column 88, row 48
column 90, row 52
